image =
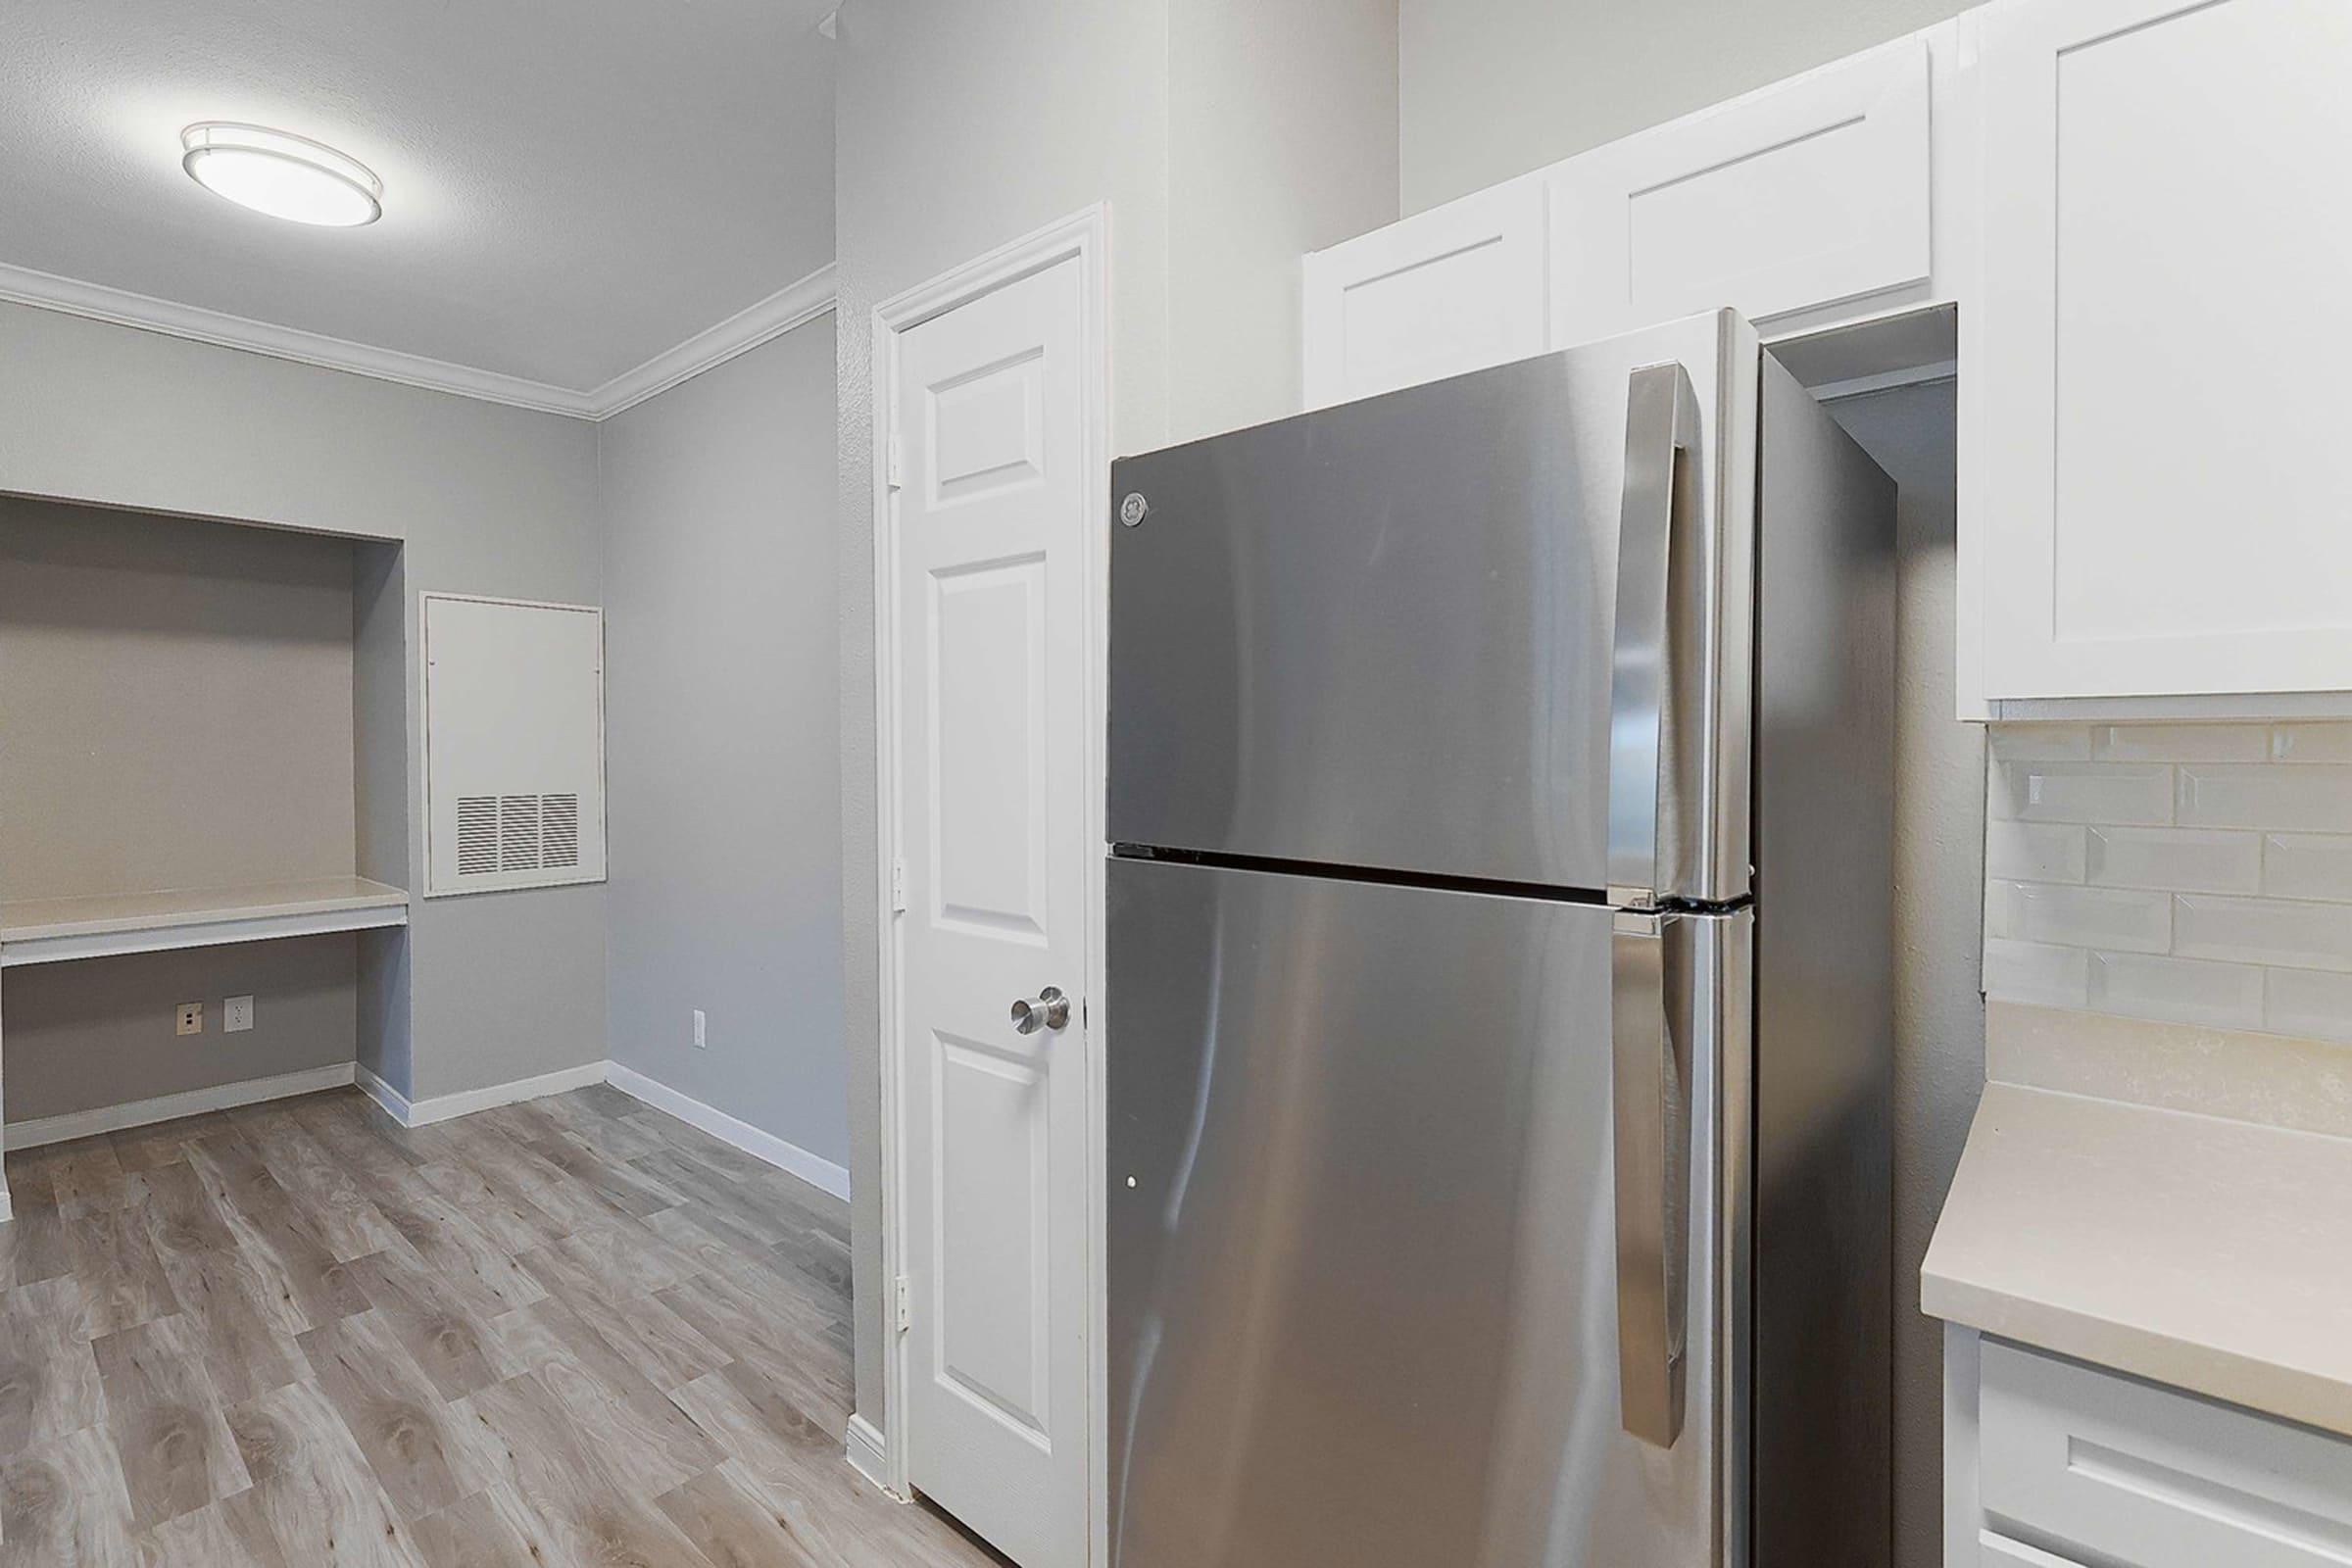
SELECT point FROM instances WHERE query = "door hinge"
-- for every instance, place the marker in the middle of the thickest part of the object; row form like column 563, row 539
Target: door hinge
column 897, row 464
column 898, row 887
column 905, row 1310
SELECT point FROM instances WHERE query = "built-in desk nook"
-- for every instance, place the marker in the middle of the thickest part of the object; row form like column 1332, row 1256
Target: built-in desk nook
column 202, row 800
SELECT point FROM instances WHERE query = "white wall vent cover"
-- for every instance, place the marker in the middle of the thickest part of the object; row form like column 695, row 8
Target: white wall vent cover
column 513, row 744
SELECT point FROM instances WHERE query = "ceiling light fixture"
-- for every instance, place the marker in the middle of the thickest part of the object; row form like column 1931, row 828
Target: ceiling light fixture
column 283, row 174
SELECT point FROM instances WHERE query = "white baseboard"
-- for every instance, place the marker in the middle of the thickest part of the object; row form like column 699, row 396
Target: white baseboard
column 441, row 1108
column 394, row 1104
column 814, row 1169
column 868, row 1457
column 168, row 1107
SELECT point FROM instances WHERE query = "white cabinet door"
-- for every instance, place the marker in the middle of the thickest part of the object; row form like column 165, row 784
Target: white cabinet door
column 1809, row 192
column 2164, row 504
column 1453, row 289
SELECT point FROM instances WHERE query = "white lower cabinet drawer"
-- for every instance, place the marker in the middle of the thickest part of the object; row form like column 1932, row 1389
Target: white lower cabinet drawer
column 1999, row 1551
column 2122, row 1472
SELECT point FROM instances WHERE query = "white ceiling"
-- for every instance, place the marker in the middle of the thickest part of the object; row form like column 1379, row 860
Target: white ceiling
column 570, row 186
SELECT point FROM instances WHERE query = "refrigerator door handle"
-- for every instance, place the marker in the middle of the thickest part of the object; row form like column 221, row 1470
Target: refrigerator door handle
column 1649, row 973
column 1649, row 820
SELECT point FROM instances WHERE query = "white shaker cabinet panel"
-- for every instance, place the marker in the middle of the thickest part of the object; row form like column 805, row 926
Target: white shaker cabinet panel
column 2163, row 503
column 1807, row 193
column 2126, row 1472
column 1457, row 288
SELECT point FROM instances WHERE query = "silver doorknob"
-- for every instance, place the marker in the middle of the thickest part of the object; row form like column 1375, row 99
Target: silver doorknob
column 1048, row 1009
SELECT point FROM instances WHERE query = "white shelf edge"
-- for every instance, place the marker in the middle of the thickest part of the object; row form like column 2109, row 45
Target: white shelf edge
column 173, row 932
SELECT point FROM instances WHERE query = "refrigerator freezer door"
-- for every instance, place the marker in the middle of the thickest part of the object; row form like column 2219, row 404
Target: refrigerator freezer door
column 1363, row 1256
column 1384, row 634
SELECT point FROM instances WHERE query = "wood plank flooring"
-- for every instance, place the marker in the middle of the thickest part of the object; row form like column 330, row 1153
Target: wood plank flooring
column 575, row 1331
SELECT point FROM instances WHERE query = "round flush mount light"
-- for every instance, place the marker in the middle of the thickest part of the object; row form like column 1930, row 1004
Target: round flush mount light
column 280, row 173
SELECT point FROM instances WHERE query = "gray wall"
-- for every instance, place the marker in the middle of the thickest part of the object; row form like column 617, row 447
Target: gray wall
column 723, row 770
column 1282, row 139
column 178, row 701
column 1492, row 89
column 101, row 1031
column 961, row 128
column 488, row 498
column 1938, row 866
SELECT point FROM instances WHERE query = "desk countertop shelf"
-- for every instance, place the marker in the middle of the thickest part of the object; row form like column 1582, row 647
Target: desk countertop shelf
column 55, row 930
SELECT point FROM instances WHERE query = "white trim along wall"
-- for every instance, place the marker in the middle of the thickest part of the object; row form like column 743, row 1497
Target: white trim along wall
column 814, row 1169
column 788, row 307
column 818, row 1171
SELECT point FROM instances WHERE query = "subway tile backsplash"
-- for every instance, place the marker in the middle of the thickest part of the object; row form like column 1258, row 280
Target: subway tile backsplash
column 2126, row 920
column 2179, row 859
column 2290, row 797
column 2196, row 873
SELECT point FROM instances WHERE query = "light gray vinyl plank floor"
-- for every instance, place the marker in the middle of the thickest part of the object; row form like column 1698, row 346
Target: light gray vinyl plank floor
column 575, row 1331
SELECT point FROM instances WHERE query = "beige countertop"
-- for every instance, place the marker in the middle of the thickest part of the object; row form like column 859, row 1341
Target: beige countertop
column 2209, row 1255
column 108, row 925
column 28, row 920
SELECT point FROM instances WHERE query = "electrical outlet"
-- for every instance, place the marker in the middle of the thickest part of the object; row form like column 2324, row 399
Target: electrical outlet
column 237, row 1013
column 700, row 1044
column 191, row 1017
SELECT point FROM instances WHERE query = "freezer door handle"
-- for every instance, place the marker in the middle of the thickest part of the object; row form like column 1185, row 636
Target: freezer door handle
column 1649, row 972
column 1649, row 817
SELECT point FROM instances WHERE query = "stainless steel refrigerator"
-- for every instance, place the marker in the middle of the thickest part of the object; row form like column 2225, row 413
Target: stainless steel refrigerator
column 1499, row 1012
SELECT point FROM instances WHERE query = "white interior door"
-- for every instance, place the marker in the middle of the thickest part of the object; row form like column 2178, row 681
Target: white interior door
column 990, row 509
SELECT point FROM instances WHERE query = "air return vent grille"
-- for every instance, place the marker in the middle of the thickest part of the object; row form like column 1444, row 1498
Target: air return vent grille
column 559, row 831
column 518, row 832
column 477, row 835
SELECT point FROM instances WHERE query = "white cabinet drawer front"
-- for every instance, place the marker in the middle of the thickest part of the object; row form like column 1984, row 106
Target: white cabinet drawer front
column 1999, row 1551
column 2167, row 231
column 1806, row 193
column 2123, row 1470
column 1450, row 290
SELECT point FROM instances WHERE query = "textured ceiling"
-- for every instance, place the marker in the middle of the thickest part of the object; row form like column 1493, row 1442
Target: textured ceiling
column 570, row 186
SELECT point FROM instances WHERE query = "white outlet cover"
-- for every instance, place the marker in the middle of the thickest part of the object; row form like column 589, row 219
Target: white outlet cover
column 698, row 1041
column 190, row 1018
column 237, row 1013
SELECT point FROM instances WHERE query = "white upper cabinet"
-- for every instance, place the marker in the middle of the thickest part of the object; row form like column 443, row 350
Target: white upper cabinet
column 1457, row 288
column 2164, row 501
column 1803, row 205
column 1810, row 193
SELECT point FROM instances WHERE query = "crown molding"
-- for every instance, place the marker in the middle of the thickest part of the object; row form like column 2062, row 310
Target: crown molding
column 123, row 308
column 788, row 307
column 794, row 304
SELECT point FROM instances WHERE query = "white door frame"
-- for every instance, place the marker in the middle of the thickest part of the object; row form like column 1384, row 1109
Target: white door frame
column 1084, row 236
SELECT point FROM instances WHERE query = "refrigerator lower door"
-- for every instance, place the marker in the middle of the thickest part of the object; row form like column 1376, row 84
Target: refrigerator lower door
column 1365, row 1236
